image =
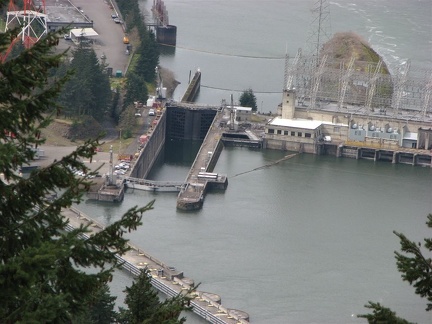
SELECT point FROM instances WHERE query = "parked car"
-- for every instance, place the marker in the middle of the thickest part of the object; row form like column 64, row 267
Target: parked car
column 67, row 37
column 114, row 16
column 117, row 21
column 151, row 112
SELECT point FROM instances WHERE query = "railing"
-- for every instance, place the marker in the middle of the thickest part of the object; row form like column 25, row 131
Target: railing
column 158, row 284
column 152, row 183
column 385, row 146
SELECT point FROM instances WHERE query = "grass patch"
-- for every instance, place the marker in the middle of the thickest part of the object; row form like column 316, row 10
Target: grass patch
column 258, row 118
column 117, row 82
column 117, row 146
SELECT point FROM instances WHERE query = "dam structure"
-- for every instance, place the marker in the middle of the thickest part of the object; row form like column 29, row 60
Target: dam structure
column 165, row 278
column 325, row 110
column 183, row 121
column 330, row 107
column 200, row 177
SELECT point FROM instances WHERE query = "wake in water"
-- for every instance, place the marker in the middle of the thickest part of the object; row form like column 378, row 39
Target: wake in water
column 286, row 157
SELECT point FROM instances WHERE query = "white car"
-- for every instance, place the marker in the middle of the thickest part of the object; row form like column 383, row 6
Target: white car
column 151, row 112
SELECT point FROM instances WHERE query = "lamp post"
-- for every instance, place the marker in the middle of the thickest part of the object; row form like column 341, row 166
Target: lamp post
column 120, row 142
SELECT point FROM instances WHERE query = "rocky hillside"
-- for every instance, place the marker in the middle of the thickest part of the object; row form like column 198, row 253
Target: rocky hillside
column 345, row 45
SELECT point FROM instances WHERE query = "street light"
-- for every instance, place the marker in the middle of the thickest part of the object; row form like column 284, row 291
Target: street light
column 120, row 142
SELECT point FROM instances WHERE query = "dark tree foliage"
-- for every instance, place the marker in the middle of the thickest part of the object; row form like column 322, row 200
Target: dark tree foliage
column 88, row 91
column 144, row 305
column 416, row 268
column 149, row 57
column 132, row 14
column 136, row 89
column 148, row 54
column 115, row 105
column 248, row 99
column 43, row 277
column 382, row 315
column 100, row 309
column 127, row 122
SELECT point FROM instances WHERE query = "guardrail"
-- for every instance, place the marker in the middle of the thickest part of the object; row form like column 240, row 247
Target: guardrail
column 155, row 183
column 158, row 284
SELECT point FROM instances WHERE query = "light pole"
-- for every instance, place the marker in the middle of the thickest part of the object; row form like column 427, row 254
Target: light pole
column 120, row 142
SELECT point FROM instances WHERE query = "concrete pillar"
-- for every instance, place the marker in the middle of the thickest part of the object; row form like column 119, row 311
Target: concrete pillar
column 395, row 156
column 301, row 148
column 288, row 104
column 376, row 155
column 414, row 162
column 339, row 151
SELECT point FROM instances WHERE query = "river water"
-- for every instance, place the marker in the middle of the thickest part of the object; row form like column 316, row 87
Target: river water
column 308, row 240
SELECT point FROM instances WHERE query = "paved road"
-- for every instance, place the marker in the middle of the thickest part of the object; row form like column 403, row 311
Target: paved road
column 110, row 39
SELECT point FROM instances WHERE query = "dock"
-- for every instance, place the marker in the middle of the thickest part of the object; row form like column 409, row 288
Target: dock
column 165, row 278
column 151, row 185
column 193, row 88
column 191, row 196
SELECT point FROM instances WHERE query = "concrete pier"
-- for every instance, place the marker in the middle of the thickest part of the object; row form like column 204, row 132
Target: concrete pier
column 191, row 197
column 193, row 88
column 166, row 279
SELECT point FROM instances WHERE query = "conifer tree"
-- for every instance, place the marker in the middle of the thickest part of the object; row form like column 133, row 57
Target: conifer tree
column 248, row 99
column 43, row 275
column 136, row 89
column 416, row 268
column 88, row 91
column 100, row 309
column 144, row 305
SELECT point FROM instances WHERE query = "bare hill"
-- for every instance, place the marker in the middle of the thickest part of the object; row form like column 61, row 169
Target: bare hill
column 347, row 44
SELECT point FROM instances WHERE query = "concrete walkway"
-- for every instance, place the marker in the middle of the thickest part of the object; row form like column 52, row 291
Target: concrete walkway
column 166, row 279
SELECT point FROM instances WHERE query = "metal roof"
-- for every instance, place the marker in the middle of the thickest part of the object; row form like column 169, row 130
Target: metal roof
column 296, row 123
column 83, row 32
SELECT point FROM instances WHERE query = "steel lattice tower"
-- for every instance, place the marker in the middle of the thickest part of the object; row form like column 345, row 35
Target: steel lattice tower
column 320, row 29
column 31, row 20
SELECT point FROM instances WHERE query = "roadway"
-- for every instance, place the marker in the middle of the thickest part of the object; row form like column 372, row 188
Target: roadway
column 109, row 42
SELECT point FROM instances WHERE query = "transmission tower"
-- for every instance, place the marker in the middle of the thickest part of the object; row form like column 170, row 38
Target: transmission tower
column 320, row 30
column 32, row 21
column 426, row 97
column 290, row 70
column 316, row 82
column 344, row 82
column 399, row 86
column 372, row 86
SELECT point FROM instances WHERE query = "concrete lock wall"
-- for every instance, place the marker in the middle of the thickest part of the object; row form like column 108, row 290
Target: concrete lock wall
column 151, row 150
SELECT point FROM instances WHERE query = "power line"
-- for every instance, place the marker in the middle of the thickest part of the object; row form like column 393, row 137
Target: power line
column 226, row 54
column 236, row 90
